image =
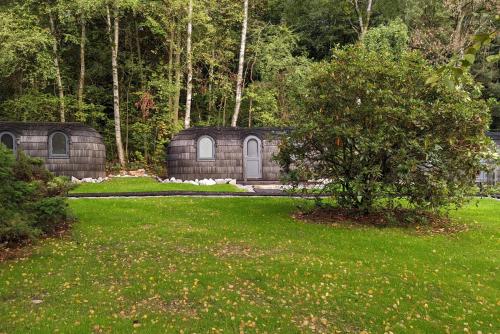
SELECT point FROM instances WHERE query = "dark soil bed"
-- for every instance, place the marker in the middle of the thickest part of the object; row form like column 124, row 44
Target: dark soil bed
column 24, row 248
column 422, row 222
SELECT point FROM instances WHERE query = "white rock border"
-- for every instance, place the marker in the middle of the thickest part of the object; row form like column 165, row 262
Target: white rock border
column 203, row 182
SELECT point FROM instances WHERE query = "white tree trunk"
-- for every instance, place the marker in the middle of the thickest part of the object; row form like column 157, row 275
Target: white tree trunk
column 60, row 88
column 364, row 22
column 189, row 56
column 114, row 34
column 171, row 69
column 178, row 72
column 239, row 79
column 81, row 80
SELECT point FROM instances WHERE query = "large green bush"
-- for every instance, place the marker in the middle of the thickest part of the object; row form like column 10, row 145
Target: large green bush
column 31, row 202
column 376, row 132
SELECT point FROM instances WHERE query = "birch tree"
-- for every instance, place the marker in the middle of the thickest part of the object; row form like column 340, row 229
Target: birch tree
column 189, row 60
column 114, row 33
column 239, row 79
column 55, row 49
column 363, row 9
column 81, row 78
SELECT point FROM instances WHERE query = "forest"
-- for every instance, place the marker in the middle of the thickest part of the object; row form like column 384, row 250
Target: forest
column 139, row 71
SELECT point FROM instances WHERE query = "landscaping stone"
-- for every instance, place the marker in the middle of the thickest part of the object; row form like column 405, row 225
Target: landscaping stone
column 207, row 182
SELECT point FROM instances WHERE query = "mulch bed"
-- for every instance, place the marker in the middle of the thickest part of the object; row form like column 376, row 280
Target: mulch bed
column 24, row 248
column 401, row 218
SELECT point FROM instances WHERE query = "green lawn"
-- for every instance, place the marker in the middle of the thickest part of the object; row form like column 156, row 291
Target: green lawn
column 146, row 184
column 213, row 265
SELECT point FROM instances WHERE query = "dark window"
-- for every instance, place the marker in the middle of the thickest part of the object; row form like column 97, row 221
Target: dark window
column 206, row 148
column 9, row 140
column 59, row 146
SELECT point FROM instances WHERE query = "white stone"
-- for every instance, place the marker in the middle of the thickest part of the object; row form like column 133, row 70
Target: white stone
column 220, row 181
column 233, row 182
column 207, row 182
column 75, row 180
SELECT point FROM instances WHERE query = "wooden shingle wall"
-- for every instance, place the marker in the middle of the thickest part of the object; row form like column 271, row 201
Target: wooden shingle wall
column 182, row 160
column 87, row 153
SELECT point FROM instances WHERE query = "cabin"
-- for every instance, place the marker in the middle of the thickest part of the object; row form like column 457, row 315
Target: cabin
column 67, row 149
column 492, row 176
column 244, row 154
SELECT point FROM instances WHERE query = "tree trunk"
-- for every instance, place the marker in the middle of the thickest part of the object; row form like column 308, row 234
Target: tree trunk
column 210, row 84
column 81, row 80
column 224, row 112
column 114, row 34
column 139, row 56
column 250, row 112
column 189, row 56
column 239, row 79
column 171, row 69
column 178, row 73
column 457, row 37
column 364, row 23
column 60, row 88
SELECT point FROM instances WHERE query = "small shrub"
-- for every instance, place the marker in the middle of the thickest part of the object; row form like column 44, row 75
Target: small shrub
column 49, row 213
column 31, row 202
column 14, row 229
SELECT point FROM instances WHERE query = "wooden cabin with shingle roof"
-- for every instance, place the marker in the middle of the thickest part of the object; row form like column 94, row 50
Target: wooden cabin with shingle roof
column 220, row 153
column 67, row 149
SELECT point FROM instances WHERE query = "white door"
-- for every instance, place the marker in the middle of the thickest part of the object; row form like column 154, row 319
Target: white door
column 253, row 159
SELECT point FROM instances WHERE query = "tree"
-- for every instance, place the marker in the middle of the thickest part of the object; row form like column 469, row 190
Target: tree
column 81, row 79
column 55, row 48
column 239, row 78
column 189, row 65
column 114, row 35
column 375, row 132
column 25, row 51
column 392, row 38
column 363, row 10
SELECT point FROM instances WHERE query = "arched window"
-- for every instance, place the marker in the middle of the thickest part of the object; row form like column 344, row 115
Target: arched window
column 58, row 145
column 206, row 148
column 9, row 140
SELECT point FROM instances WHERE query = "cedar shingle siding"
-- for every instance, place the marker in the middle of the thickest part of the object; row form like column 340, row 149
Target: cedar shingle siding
column 86, row 156
column 492, row 177
column 183, row 162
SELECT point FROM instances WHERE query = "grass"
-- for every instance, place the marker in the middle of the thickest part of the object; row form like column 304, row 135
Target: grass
column 228, row 265
column 146, row 184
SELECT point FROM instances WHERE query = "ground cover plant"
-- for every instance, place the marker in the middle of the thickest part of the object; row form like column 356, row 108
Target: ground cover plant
column 146, row 184
column 231, row 265
column 31, row 202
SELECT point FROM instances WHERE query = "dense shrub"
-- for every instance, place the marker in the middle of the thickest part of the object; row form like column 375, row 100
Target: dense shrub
column 31, row 202
column 376, row 132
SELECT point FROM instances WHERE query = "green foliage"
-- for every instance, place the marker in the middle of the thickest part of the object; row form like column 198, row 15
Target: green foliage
column 30, row 198
column 456, row 72
column 285, row 38
column 24, row 45
column 392, row 38
column 282, row 72
column 375, row 132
